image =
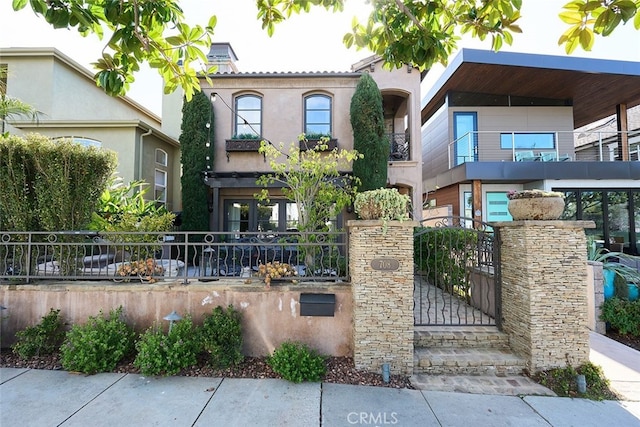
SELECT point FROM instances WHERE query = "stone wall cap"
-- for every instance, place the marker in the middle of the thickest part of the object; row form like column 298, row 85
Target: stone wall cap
column 379, row 223
column 540, row 223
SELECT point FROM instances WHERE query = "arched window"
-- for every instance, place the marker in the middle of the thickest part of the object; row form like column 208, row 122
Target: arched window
column 161, row 157
column 317, row 115
column 85, row 142
column 248, row 117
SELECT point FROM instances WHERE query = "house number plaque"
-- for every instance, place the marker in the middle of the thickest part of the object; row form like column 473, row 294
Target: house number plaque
column 385, row 264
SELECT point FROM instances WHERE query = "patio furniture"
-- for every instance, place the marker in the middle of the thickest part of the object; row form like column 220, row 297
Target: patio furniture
column 525, row 156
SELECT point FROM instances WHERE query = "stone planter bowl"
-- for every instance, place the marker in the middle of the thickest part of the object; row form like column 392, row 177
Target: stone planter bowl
column 536, row 208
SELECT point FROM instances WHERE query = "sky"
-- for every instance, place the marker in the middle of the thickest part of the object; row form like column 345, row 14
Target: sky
column 307, row 42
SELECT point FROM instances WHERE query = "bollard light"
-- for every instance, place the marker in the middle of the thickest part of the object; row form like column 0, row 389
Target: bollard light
column 172, row 317
column 385, row 372
column 582, row 384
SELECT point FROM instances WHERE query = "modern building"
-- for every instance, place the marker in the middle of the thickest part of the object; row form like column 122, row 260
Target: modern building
column 72, row 106
column 495, row 122
column 278, row 107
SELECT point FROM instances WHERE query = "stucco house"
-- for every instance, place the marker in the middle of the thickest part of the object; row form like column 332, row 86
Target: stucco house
column 495, row 122
column 279, row 106
column 72, row 105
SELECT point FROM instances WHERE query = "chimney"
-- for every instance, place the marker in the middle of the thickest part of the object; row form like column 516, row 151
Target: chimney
column 222, row 55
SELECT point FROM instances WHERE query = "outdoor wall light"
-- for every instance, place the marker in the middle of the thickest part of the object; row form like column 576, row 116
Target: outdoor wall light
column 172, row 317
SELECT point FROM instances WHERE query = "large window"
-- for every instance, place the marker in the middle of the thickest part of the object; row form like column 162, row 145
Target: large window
column 317, row 115
column 615, row 212
column 529, row 141
column 248, row 117
column 252, row 215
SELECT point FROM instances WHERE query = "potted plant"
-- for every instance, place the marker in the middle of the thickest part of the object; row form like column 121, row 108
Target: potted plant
column 243, row 142
column 276, row 271
column 611, row 269
column 144, row 270
column 386, row 204
column 535, row 204
column 317, row 141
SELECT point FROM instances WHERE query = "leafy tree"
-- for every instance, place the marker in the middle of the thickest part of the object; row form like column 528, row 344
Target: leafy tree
column 409, row 31
column 312, row 179
column 367, row 122
column 196, row 153
column 139, row 31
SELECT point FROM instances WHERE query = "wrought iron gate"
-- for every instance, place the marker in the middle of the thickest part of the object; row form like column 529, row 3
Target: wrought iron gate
column 457, row 273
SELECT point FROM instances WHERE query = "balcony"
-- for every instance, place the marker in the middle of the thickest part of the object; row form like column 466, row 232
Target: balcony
column 548, row 146
column 399, row 148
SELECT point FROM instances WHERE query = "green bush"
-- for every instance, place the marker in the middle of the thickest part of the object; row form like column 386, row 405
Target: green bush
column 221, row 336
column 622, row 315
column 43, row 338
column 563, row 381
column 50, row 185
column 98, row 345
column 296, row 362
column 442, row 254
column 167, row 354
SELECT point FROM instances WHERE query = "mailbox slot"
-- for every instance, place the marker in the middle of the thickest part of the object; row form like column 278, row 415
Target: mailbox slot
column 317, row 304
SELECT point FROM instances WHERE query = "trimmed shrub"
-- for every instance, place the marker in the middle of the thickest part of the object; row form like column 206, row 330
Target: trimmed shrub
column 367, row 122
column 50, row 185
column 221, row 336
column 296, row 362
column 167, row 354
column 98, row 345
column 622, row 315
column 43, row 338
column 196, row 114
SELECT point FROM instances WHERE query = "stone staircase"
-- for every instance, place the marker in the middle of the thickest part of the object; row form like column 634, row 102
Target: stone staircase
column 464, row 350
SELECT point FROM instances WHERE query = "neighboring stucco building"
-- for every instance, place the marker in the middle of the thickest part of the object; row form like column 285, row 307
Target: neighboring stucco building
column 279, row 106
column 504, row 121
column 72, row 105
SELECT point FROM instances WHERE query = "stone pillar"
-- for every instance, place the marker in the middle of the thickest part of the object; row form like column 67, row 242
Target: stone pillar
column 544, row 295
column 381, row 269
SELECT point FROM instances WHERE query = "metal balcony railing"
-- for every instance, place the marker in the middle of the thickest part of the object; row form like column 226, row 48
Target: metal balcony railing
column 87, row 255
column 522, row 146
column 399, row 147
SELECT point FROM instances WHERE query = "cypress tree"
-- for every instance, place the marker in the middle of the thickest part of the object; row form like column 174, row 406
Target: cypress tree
column 367, row 122
column 196, row 114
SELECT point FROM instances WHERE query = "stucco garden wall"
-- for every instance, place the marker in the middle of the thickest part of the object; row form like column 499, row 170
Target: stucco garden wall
column 269, row 317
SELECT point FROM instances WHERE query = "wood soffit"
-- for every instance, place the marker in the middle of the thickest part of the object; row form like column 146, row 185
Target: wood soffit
column 594, row 95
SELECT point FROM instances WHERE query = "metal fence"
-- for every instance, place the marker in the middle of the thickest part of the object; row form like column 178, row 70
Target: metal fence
column 132, row 256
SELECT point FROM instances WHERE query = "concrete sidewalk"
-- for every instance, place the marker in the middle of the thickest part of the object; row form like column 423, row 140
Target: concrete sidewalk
column 58, row 398
column 620, row 363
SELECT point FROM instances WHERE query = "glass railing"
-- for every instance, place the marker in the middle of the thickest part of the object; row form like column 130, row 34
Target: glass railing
column 542, row 146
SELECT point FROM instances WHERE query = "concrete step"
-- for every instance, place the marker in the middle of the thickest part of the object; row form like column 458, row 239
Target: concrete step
column 460, row 337
column 466, row 361
column 509, row 385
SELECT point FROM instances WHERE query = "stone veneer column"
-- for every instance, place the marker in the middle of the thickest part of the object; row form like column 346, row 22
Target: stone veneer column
column 382, row 294
column 544, row 295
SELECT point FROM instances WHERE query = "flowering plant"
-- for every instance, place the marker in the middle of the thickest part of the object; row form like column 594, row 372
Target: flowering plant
column 531, row 194
column 144, row 269
column 275, row 270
